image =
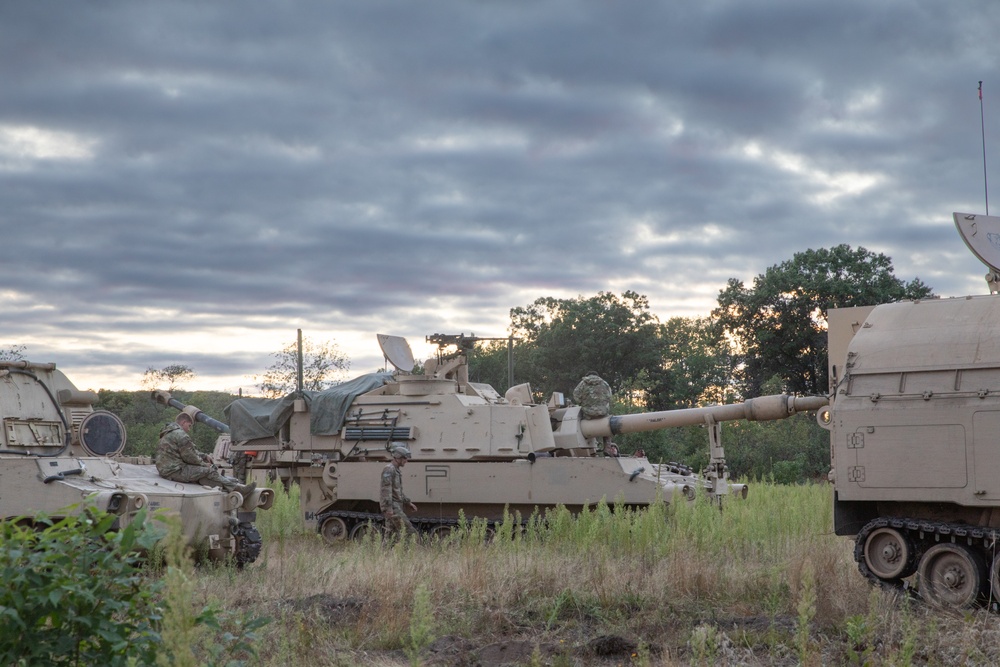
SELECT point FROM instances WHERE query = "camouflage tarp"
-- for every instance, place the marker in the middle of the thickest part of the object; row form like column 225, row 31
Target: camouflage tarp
column 253, row 418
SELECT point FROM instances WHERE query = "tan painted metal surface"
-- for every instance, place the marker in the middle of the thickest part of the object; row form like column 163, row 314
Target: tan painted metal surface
column 57, row 454
column 477, row 453
column 914, row 421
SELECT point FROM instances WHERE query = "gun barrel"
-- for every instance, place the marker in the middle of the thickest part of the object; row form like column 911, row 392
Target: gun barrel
column 165, row 398
column 763, row 408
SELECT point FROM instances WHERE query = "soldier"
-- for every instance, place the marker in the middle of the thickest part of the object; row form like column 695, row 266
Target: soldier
column 239, row 461
column 391, row 496
column 179, row 461
column 593, row 395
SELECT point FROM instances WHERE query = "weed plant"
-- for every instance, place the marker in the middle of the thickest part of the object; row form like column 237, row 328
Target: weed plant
column 284, row 519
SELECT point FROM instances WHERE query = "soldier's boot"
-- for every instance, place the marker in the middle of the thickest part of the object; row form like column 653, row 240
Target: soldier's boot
column 246, row 489
column 231, row 484
column 218, row 482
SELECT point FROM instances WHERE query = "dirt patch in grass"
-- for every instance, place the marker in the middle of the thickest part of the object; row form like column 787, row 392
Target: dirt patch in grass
column 460, row 652
column 333, row 610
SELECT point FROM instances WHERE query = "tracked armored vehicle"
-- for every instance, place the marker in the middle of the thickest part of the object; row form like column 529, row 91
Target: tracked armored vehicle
column 914, row 419
column 58, row 454
column 475, row 452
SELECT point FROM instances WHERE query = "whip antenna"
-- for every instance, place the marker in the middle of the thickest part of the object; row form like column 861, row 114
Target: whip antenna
column 982, row 124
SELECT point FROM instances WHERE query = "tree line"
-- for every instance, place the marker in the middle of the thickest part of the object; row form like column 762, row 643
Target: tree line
column 762, row 339
column 771, row 332
column 765, row 338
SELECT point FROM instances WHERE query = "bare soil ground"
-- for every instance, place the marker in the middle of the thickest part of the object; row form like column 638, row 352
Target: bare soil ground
column 946, row 638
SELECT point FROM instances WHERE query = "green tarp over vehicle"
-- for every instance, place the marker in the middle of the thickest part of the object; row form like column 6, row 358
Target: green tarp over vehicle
column 255, row 418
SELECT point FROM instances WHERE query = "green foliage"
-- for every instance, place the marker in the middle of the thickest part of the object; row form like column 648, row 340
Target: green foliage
column 679, row 364
column 806, row 608
column 180, row 628
column 705, row 645
column 788, row 451
column 284, row 519
column 859, row 640
column 421, row 625
column 143, row 417
column 779, row 325
column 194, row 635
column 488, row 364
column 696, row 366
column 168, row 377
column 563, row 339
column 76, row 589
column 323, row 365
column 686, row 444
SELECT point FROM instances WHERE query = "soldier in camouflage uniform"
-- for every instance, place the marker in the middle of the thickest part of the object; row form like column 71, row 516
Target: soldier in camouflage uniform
column 593, row 395
column 179, row 461
column 240, row 461
column 391, row 496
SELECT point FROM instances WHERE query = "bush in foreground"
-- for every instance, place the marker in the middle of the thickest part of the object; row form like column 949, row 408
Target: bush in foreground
column 77, row 591
column 72, row 592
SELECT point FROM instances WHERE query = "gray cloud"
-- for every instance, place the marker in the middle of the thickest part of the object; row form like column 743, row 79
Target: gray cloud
column 174, row 173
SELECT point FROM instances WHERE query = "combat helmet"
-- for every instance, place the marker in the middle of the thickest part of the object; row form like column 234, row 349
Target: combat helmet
column 400, row 452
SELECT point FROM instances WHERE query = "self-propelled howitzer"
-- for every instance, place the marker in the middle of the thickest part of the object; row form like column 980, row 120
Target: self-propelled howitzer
column 914, row 419
column 59, row 455
column 475, row 452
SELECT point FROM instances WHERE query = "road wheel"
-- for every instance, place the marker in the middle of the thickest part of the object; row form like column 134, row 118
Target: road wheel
column 364, row 529
column 951, row 576
column 248, row 543
column 333, row 530
column 440, row 532
column 888, row 554
column 994, row 591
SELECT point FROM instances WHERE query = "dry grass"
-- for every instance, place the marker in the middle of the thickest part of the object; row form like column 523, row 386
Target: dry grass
column 762, row 582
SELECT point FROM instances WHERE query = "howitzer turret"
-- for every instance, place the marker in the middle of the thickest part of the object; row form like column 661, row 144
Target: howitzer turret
column 475, row 452
column 58, row 455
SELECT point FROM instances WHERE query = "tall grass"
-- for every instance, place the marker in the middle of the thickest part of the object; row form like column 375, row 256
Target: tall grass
column 761, row 580
column 284, row 519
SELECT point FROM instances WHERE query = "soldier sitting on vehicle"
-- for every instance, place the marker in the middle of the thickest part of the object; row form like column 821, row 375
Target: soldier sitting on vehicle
column 179, row 461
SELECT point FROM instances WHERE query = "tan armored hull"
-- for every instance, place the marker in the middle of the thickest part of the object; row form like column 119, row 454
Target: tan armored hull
column 475, row 453
column 914, row 424
column 59, row 454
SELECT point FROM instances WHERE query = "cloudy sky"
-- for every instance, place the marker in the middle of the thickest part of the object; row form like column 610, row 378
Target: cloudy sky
column 191, row 182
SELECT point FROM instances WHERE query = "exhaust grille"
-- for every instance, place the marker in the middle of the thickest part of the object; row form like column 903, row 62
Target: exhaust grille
column 383, row 433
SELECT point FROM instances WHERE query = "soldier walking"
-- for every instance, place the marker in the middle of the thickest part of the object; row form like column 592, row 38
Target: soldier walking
column 391, row 496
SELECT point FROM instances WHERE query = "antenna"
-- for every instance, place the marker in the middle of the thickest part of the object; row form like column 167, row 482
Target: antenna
column 397, row 352
column 982, row 124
